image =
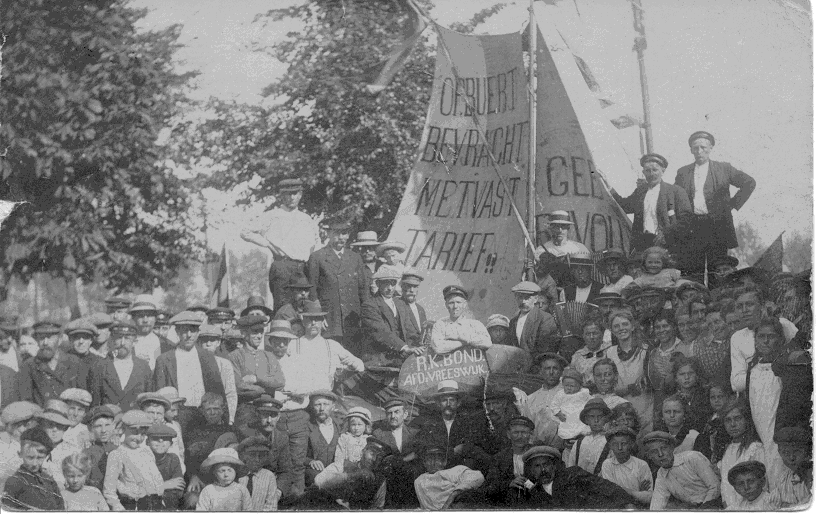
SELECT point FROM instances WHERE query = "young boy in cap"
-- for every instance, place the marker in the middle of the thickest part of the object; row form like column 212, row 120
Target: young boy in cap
column 498, row 326
column 78, row 401
column 159, row 440
column 54, row 420
column 748, row 479
column 156, row 406
column 31, row 488
column 132, row 479
column 590, row 451
column 621, row 468
column 224, row 493
column 794, row 481
column 101, row 421
column 438, row 487
column 261, row 483
column 171, row 394
column 17, row 417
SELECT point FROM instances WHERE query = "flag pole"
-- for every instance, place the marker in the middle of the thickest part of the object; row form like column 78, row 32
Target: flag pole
column 531, row 162
column 640, row 48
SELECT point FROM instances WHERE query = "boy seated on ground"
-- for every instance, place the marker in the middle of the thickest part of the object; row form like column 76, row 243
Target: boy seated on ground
column 31, row 488
column 748, row 479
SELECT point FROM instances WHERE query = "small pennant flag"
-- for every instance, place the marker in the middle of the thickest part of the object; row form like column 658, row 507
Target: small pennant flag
column 220, row 296
column 380, row 75
column 771, row 260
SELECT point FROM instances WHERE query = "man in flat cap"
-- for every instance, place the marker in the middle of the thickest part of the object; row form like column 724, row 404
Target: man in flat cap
column 253, row 364
column 81, row 335
column 280, row 457
column 289, row 233
column 548, row 485
column 340, row 285
column 386, row 321
column 685, row 480
column 708, row 186
column 507, row 466
column 660, row 208
column 51, row 371
column 117, row 307
column 454, row 332
column 148, row 345
column 411, row 280
column 393, row 431
column 119, row 380
column 192, row 371
column 532, row 329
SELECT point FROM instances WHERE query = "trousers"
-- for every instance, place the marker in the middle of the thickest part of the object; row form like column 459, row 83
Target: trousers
column 296, row 424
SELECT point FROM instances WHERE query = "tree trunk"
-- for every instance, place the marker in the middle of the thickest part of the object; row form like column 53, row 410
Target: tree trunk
column 72, row 296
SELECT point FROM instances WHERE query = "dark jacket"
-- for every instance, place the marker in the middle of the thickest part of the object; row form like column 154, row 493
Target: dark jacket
column 470, row 431
column 717, row 193
column 539, row 335
column 318, row 448
column 383, row 433
column 9, row 390
column 105, row 388
column 594, row 290
column 341, row 287
column 573, row 488
column 414, row 335
column 39, row 384
column 32, row 491
column 499, row 475
column 384, row 333
column 166, row 372
column 673, row 211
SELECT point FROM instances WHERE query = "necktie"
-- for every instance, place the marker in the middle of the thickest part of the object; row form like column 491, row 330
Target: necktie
column 598, row 354
column 249, row 483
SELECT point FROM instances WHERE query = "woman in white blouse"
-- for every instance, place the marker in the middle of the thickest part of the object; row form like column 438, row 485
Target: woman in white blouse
column 629, row 355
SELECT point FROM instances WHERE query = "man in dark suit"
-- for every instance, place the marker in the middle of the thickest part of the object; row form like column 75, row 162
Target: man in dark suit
column 167, row 370
column 532, row 329
column 661, row 210
column 708, row 185
column 464, row 437
column 339, row 285
column 280, row 459
column 120, row 378
column 393, row 431
column 323, row 434
column 52, row 371
column 411, row 279
column 583, row 288
column 385, row 321
column 366, row 245
column 507, row 466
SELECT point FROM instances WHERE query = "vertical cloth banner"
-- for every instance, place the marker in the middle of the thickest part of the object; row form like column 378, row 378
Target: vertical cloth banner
column 220, row 296
column 578, row 150
column 455, row 216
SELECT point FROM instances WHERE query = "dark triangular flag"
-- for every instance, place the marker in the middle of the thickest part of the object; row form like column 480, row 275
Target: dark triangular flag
column 771, row 260
column 220, row 296
column 377, row 77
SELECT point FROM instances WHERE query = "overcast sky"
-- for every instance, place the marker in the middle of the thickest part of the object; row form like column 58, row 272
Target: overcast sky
column 741, row 70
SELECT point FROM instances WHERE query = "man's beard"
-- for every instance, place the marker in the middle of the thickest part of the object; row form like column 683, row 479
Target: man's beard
column 46, row 354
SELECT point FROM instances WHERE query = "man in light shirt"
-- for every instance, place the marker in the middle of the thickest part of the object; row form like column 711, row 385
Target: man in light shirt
column 148, row 343
column 708, row 185
column 684, row 480
column 455, row 332
column 559, row 245
column 289, row 233
column 661, row 209
column 535, row 405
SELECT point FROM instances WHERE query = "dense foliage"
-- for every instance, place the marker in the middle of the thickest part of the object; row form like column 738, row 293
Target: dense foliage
column 84, row 96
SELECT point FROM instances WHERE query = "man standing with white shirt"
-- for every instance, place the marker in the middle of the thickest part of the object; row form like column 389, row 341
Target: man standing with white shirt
column 708, row 185
column 148, row 344
column 290, row 234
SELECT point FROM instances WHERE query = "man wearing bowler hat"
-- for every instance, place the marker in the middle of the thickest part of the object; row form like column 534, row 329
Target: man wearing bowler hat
column 340, row 284
column 532, row 329
column 298, row 292
column 661, row 209
column 454, row 332
column 289, row 233
column 708, row 185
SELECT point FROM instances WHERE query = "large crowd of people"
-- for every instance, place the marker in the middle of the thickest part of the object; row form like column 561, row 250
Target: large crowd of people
column 668, row 379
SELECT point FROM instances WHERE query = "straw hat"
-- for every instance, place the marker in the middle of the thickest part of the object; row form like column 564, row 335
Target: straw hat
column 223, row 456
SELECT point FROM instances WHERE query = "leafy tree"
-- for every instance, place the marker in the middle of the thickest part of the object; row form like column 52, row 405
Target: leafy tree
column 750, row 245
column 249, row 274
column 83, row 99
column 798, row 254
column 354, row 150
